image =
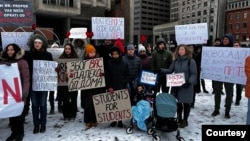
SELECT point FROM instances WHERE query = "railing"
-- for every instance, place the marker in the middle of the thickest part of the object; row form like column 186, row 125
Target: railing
column 65, row 3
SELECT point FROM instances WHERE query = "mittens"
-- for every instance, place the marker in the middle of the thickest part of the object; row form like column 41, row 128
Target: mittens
column 111, row 90
column 186, row 85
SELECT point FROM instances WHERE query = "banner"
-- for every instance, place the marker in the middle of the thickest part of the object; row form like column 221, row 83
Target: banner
column 225, row 64
column 112, row 107
column 19, row 38
column 62, row 71
column 56, row 52
column 107, row 27
column 44, row 75
column 11, row 104
column 191, row 33
column 85, row 74
column 78, row 33
column 148, row 78
column 175, row 80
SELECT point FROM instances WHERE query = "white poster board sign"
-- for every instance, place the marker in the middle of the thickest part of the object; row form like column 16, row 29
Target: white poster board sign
column 175, row 79
column 225, row 64
column 85, row 74
column 44, row 75
column 148, row 78
column 112, row 107
column 107, row 27
column 19, row 38
column 11, row 104
column 79, row 33
column 56, row 52
column 191, row 33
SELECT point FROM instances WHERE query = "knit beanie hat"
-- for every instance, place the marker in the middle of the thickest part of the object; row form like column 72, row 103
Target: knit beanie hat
column 141, row 48
column 89, row 48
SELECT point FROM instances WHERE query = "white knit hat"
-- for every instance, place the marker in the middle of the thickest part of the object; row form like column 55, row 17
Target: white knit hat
column 141, row 48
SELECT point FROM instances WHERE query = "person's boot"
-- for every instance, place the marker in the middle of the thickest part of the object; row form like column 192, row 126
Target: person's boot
column 227, row 115
column 215, row 113
column 52, row 110
column 36, row 128
column 120, row 124
column 12, row 136
column 19, row 137
column 43, row 128
column 203, row 86
column 184, row 124
column 113, row 124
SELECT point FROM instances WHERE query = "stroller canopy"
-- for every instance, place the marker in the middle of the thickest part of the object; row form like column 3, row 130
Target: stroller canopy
column 166, row 105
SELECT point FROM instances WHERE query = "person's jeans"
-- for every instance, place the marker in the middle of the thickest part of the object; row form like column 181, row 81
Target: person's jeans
column 39, row 106
column 248, row 112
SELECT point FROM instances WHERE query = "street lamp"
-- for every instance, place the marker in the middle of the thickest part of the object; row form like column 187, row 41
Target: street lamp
column 247, row 41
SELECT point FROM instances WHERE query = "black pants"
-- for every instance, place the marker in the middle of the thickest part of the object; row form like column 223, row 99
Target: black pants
column 162, row 84
column 69, row 107
column 238, row 92
column 183, row 108
column 17, row 123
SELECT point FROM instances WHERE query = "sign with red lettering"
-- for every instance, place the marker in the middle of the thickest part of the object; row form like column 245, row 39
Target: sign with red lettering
column 107, row 27
column 112, row 107
column 78, row 33
column 148, row 78
column 85, row 74
column 175, row 80
column 11, row 104
column 191, row 33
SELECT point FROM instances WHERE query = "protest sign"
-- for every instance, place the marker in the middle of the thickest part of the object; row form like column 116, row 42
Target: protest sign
column 148, row 78
column 112, row 107
column 44, row 75
column 56, row 52
column 85, row 74
column 62, row 71
column 191, row 33
column 78, row 33
column 176, row 79
column 11, row 104
column 19, row 38
column 225, row 64
column 107, row 27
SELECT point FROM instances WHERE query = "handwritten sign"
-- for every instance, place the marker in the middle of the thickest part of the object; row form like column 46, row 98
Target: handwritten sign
column 112, row 107
column 16, row 13
column 44, row 75
column 79, row 33
column 225, row 64
column 86, row 74
column 108, row 27
column 148, row 78
column 191, row 33
column 11, row 104
column 62, row 71
column 56, row 52
column 19, row 38
column 176, row 79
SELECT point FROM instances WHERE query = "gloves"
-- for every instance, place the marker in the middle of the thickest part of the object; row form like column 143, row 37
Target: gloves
column 157, row 71
column 57, row 69
column 111, row 90
column 186, row 85
column 24, row 97
column 101, row 74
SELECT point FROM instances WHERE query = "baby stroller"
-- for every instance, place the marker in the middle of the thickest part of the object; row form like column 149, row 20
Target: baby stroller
column 165, row 118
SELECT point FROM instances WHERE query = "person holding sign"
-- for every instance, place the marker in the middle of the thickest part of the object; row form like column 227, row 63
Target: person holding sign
column 183, row 63
column 14, row 54
column 69, row 106
column 117, row 75
column 38, row 51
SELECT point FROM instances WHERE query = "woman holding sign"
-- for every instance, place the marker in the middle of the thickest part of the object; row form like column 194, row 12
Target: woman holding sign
column 14, row 54
column 184, row 63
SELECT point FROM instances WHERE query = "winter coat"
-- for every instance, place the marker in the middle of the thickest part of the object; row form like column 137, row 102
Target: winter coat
column 117, row 74
column 134, row 64
column 23, row 68
column 247, row 71
column 161, row 59
column 145, row 61
column 181, row 65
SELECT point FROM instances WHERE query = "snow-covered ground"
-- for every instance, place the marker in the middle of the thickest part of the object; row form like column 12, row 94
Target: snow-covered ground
column 59, row 130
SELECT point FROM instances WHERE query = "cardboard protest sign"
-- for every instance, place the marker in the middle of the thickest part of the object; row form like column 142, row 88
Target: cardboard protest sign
column 78, row 33
column 107, row 27
column 176, row 79
column 19, row 38
column 225, row 64
column 191, row 33
column 56, row 52
column 11, row 104
column 148, row 78
column 85, row 74
column 112, row 107
column 44, row 75
column 62, row 71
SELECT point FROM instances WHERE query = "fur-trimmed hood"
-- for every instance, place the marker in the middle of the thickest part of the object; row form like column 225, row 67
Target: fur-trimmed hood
column 19, row 54
column 30, row 42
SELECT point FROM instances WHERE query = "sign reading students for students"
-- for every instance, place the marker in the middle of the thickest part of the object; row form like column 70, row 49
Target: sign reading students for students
column 225, row 64
column 11, row 104
column 85, row 74
column 175, row 80
column 112, row 107
column 107, row 27
column 44, row 75
column 191, row 33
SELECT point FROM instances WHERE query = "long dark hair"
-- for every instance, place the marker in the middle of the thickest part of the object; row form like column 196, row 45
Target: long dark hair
column 15, row 47
column 73, row 53
column 188, row 53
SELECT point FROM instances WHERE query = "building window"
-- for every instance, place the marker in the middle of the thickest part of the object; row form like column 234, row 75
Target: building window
column 204, row 20
column 183, row 3
column 237, row 26
column 199, row 5
column 245, row 15
column 193, row 7
column 244, row 36
column 198, row 13
column 193, row 1
column 188, row 8
column 205, row 4
column 183, row 9
column 188, row 1
column 198, row 20
column 230, row 16
column 211, row 28
column 212, row 10
column 244, row 25
column 193, row 14
column 236, row 37
column 237, row 15
column 204, row 12
column 230, row 27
